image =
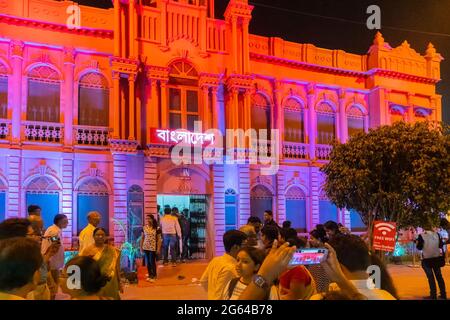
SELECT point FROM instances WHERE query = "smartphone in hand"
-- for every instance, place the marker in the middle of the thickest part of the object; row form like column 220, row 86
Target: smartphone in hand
column 309, row 256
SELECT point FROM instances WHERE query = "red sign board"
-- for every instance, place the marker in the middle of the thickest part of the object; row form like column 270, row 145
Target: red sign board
column 384, row 235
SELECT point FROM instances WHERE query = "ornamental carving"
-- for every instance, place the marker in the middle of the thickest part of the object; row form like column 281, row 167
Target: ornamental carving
column 260, row 101
column 296, row 180
column 209, row 79
column 124, row 65
column 293, row 104
column 261, row 192
column 324, row 107
column 92, row 171
column 295, row 193
column 69, row 55
column 43, row 73
column 43, row 169
column 157, row 73
column 355, row 111
column 16, row 48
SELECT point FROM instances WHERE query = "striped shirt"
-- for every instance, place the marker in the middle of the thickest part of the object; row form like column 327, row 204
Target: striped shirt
column 238, row 289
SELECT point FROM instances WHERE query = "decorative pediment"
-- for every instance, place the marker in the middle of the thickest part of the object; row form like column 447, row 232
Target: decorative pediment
column 209, row 79
column 92, row 171
column 43, row 169
column 295, row 193
column 260, row 101
column 405, row 51
column 324, row 107
column 293, row 104
column 94, row 80
column 355, row 111
column 296, row 180
column 93, row 186
column 43, row 73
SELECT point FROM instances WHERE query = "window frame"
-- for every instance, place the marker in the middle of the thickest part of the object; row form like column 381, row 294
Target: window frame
column 183, row 104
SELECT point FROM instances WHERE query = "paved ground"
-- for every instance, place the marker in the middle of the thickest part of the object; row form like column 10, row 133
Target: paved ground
column 411, row 283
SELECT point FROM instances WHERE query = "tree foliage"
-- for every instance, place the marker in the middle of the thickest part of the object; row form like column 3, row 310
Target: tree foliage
column 395, row 173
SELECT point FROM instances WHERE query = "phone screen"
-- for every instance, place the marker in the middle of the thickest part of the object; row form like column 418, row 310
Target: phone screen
column 309, row 256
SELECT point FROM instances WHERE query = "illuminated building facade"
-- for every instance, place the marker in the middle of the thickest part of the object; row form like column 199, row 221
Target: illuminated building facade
column 77, row 108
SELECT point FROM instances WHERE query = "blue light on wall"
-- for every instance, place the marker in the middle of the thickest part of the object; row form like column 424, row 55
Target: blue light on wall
column 296, row 213
column 356, row 222
column 49, row 204
column 230, row 212
column 87, row 203
column 2, row 206
column 258, row 206
column 327, row 211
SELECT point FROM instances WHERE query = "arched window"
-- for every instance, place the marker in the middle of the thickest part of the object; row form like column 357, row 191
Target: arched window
column 135, row 213
column 183, row 96
column 231, row 210
column 397, row 113
column 2, row 201
column 294, row 125
column 92, row 196
column 355, row 121
column 327, row 210
column 3, row 92
column 261, row 114
column 326, row 123
column 260, row 200
column 421, row 114
column 43, row 95
column 356, row 222
column 93, row 100
column 44, row 192
column 296, row 208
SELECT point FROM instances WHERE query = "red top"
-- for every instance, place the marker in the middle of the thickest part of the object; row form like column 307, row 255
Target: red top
column 297, row 274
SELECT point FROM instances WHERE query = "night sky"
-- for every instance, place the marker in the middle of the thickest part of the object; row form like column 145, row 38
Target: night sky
column 430, row 17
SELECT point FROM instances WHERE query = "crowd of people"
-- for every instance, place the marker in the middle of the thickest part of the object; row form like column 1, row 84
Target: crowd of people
column 255, row 264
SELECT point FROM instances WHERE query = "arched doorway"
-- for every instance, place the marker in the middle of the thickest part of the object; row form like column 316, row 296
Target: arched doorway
column 296, row 208
column 135, row 213
column 92, row 195
column 261, row 199
column 44, row 192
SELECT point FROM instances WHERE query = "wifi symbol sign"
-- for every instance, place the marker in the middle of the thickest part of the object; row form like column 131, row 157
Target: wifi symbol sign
column 384, row 227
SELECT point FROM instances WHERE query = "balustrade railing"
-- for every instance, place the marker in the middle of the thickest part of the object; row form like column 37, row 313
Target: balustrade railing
column 323, row 151
column 48, row 132
column 293, row 150
column 5, row 129
column 91, row 136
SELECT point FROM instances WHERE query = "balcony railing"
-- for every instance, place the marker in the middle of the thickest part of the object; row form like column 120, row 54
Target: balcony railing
column 47, row 132
column 91, row 136
column 4, row 129
column 293, row 150
column 323, row 151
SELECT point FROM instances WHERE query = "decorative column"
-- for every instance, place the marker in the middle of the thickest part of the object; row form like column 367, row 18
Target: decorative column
column 116, row 104
column 410, row 108
column 234, row 51
column 245, row 46
column 120, row 196
column 281, row 196
column 67, row 95
column 117, row 28
column 206, row 109
column 278, row 117
column 312, row 122
column 152, row 114
column 132, row 27
column 123, row 101
column 15, row 89
column 247, row 109
column 202, row 32
column 234, row 108
column 216, row 216
column 67, row 196
column 163, row 4
column 164, row 107
column 244, row 194
column 13, row 206
column 343, row 134
column 314, row 197
column 150, row 185
column 131, row 97
column 215, row 108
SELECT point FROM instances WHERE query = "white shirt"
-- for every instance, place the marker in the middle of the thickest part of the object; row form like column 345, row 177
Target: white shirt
column 217, row 275
column 237, row 291
column 86, row 237
column 57, row 261
column 169, row 225
column 430, row 245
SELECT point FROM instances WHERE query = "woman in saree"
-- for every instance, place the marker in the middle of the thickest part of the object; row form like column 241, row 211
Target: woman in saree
column 108, row 258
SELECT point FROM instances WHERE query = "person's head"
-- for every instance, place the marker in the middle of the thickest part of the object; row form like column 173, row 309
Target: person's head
column 185, row 213
column 297, row 242
column 249, row 259
column 250, row 232
column 20, row 260
column 91, row 278
column 331, row 228
column 37, row 224
column 167, row 210
column 94, row 218
column 317, row 237
column 175, row 211
column 286, row 233
column 151, row 221
column 34, row 210
column 287, row 224
column 233, row 241
column 255, row 222
column 15, row 227
column 61, row 221
column 354, row 256
column 268, row 215
column 100, row 236
column 269, row 234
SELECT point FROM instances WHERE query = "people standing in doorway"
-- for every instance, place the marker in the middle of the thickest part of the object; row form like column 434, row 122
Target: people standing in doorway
column 185, row 226
column 87, row 234
column 56, row 263
column 34, row 210
column 430, row 243
column 268, row 219
column 170, row 229
column 108, row 258
column 151, row 245
column 178, row 245
column 221, row 270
